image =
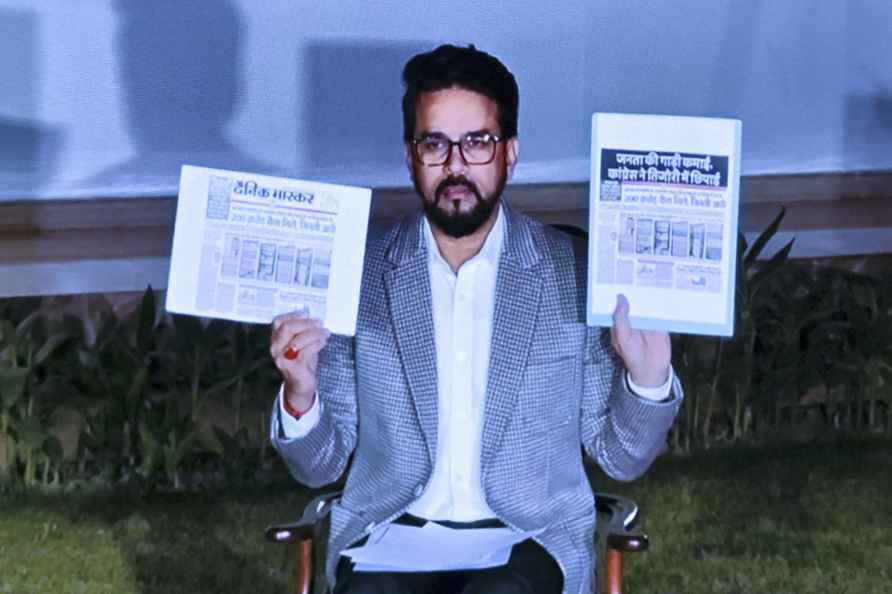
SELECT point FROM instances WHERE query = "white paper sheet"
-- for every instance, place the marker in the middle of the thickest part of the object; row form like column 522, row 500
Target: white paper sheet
column 248, row 247
column 434, row 547
column 663, row 221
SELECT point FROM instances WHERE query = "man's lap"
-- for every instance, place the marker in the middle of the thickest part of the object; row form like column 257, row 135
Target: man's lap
column 530, row 570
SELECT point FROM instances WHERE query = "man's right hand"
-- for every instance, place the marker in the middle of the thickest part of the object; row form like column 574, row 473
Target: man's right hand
column 307, row 337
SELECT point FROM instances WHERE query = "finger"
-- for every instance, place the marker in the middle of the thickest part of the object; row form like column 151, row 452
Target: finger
column 314, row 348
column 306, row 353
column 287, row 331
column 286, row 325
column 280, row 340
column 292, row 315
column 299, row 342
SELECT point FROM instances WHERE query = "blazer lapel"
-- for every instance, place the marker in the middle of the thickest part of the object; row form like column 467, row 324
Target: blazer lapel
column 518, row 290
column 409, row 297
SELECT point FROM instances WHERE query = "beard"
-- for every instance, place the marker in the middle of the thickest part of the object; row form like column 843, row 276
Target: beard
column 445, row 214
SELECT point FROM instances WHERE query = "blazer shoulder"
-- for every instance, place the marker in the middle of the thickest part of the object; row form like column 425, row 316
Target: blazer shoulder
column 386, row 248
column 566, row 251
column 563, row 243
column 381, row 242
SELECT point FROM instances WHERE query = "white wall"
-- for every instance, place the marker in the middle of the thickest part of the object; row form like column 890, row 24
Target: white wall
column 108, row 97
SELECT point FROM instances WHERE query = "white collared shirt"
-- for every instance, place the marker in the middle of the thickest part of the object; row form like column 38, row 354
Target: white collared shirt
column 462, row 305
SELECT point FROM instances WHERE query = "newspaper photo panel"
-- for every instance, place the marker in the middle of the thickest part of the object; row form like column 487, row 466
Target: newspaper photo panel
column 249, row 247
column 663, row 207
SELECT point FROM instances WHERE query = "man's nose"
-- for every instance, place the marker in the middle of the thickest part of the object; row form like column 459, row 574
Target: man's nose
column 455, row 163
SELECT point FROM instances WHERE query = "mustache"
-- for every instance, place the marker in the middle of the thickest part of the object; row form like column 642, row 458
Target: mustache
column 456, row 181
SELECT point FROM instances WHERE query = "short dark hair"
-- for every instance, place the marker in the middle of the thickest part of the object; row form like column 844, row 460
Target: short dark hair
column 468, row 68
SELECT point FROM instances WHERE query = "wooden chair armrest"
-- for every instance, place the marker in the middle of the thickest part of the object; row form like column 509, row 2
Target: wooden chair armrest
column 620, row 515
column 628, row 543
column 305, row 527
column 303, row 532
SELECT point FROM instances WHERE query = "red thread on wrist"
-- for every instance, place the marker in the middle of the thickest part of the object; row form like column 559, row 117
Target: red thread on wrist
column 293, row 411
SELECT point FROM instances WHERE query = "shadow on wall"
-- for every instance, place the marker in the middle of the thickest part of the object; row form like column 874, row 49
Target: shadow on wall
column 28, row 155
column 180, row 71
column 867, row 131
column 353, row 117
column 28, row 149
column 736, row 60
column 867, row 116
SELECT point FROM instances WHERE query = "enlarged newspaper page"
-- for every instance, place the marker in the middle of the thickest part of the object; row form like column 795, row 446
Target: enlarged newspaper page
column 663, row 210
column 248, row 247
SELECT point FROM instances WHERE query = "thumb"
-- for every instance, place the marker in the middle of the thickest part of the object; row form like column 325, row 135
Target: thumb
column 621, row 316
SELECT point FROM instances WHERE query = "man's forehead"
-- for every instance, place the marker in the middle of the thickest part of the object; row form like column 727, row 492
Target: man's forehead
column 458, row 109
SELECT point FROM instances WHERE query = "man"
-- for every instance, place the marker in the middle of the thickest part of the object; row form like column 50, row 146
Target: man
column 472, row 380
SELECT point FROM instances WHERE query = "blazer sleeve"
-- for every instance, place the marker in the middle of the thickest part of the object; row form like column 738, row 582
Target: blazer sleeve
column 623, row 432
column 320, row 457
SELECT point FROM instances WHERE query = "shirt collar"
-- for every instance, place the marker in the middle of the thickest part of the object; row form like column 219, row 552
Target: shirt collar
column 489, row 252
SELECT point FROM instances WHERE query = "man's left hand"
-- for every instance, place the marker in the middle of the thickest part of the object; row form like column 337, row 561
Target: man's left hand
column 645, row 353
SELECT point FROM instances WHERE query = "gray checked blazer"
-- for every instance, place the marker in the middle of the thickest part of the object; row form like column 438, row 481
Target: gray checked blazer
column 554, row 385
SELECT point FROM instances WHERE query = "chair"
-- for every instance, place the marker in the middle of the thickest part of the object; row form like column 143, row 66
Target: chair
column 617, row 515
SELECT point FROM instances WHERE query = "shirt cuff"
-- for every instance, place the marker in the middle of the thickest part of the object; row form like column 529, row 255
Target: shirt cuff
column 293, row 428
column 655, row 393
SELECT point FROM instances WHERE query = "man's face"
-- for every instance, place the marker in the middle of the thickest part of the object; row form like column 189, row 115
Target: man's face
column 457, row 197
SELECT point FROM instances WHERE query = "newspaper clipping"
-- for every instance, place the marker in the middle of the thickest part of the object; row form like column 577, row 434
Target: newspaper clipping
column 249, row 247
column 664, row 224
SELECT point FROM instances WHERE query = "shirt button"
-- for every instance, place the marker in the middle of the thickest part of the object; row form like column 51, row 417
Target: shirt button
column 419, row 490
column 370, row 527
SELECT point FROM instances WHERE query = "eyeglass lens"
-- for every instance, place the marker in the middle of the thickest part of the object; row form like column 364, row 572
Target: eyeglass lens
column 476, row 149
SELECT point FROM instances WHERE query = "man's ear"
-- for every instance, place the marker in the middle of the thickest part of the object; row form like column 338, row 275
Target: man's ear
column 407, row 155
column 512, row 150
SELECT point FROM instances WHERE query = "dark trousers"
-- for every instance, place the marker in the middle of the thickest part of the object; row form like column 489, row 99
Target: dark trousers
column 530, row 570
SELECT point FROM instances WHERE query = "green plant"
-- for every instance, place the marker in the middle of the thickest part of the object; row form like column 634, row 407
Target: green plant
column 752, row 279
column 794, row 313
column 157, row 396
column 196, row 348
column 715, row 369
column 249, row 374
column 28, row 398
column 114, row 374
column 865, row 364
column 167, row 437
column 224, row 363
column 247, row 364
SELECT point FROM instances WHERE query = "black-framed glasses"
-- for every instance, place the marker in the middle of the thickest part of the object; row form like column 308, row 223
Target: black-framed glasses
column 475, row 148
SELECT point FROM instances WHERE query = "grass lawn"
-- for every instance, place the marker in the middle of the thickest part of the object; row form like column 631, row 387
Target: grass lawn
column 792, row 519
column 172, row 544
column 803, row 518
